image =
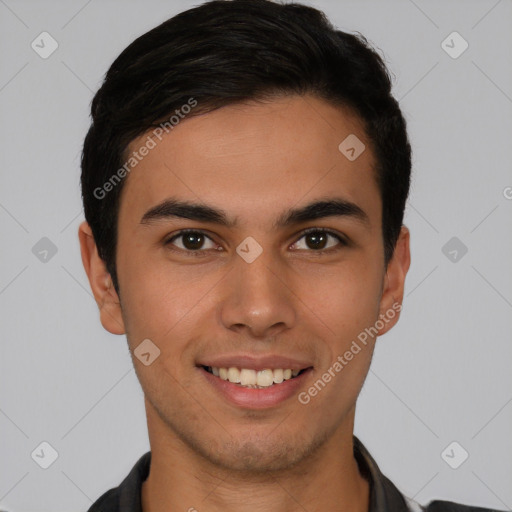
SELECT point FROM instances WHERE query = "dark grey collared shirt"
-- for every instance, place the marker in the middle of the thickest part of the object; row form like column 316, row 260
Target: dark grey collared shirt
column 384, row 496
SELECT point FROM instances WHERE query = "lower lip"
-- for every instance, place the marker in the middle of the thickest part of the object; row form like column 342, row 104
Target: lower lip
column 253, row 398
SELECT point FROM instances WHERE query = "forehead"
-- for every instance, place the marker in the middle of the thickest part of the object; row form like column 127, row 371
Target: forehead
column 253, row 159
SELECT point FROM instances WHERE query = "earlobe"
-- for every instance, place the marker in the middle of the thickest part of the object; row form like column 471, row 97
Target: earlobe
column 100, row 281
column 394, row 282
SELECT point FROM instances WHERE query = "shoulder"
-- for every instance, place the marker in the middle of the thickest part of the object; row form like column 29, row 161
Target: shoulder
column 449, row 506
column 443, row 506
column 107, row 502
column 127, row 496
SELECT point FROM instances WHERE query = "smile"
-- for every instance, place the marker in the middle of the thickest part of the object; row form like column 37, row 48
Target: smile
column 250, row 388
column 256, row 379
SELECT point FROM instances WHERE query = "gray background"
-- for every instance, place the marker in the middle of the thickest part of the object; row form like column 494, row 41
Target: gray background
column 441, row 375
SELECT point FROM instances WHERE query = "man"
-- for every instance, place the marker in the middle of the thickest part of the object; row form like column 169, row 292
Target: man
column 244, row 182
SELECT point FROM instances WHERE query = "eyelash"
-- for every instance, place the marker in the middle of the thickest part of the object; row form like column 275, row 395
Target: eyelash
column 201, row 252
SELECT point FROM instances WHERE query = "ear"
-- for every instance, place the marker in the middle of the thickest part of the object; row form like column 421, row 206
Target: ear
column 394, row 281
column 101, row 283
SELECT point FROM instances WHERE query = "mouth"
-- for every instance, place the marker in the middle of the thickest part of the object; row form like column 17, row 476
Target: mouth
column 255, row 379
column 255, row 388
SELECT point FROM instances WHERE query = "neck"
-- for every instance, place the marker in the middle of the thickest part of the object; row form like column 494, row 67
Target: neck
column 180, row 479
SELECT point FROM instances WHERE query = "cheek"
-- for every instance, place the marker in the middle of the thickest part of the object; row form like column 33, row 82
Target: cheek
column 162, row 301
column 345, row 299
column 344, row 307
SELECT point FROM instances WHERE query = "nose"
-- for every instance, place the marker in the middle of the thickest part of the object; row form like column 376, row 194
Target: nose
column 258, row 297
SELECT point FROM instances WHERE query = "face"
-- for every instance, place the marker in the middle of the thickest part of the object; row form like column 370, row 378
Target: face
column 247, row 287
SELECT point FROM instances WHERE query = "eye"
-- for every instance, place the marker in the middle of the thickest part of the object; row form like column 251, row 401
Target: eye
column 192, row 241
column 318, row 240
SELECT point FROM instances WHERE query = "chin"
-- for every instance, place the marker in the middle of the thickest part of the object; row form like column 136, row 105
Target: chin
column 260, row 454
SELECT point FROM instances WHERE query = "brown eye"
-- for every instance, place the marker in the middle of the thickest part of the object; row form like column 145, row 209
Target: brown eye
column 318, row 240
column 190, row 241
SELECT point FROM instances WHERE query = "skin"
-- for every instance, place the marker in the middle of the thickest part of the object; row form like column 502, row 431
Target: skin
column 254, row 161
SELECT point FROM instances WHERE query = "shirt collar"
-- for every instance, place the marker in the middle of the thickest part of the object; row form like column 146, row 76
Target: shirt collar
column 384, row 496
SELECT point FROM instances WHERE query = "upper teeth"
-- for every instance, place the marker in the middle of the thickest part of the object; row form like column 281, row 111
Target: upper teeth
column 245, row 376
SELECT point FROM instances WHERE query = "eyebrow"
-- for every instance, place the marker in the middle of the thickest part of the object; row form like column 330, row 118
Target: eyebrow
column 332, row 207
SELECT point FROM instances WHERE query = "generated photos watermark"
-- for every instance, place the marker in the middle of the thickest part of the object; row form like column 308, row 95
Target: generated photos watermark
column 150, row 143
column 341, row 361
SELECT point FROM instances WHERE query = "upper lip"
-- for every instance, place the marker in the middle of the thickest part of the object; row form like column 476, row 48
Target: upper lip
column 268, row 362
